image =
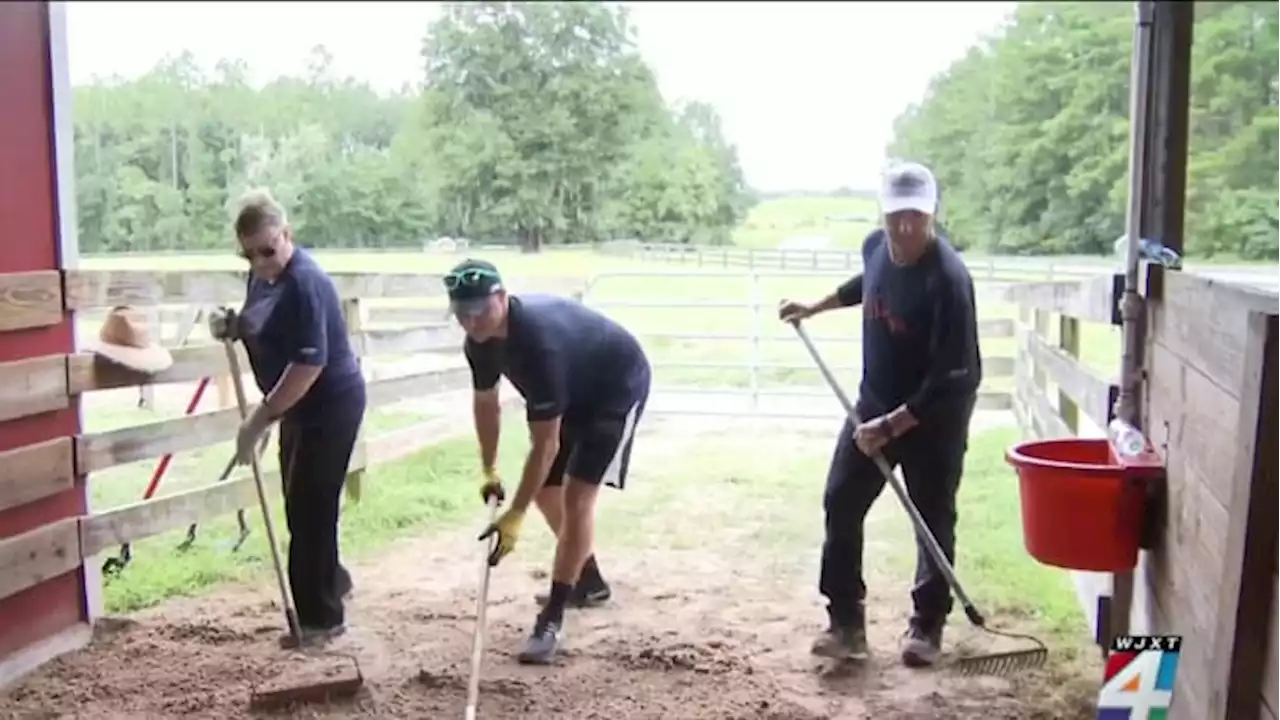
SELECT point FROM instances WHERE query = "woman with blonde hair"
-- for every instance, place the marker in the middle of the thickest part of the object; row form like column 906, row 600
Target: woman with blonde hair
column 296, row 339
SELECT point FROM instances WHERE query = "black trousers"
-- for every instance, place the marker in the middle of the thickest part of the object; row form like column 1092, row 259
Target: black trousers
column 314, row 457
column 932, row 461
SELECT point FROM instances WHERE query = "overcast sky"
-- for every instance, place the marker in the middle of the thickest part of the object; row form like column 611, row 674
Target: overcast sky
column 807, row 91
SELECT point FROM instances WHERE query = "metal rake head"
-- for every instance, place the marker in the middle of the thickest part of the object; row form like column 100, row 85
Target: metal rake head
column 1005, row 663
column 343, row 681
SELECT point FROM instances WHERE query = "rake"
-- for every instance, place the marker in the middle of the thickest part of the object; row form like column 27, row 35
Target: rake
column 1002, row 663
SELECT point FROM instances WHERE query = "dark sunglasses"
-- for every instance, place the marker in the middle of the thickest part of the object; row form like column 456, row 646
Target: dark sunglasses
column 467, row 278
column 262, row 252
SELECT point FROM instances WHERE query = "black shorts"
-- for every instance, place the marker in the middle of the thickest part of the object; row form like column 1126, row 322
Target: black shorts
column 597, row 450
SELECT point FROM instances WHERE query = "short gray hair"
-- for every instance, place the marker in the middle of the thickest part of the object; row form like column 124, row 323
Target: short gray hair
column 257, row 210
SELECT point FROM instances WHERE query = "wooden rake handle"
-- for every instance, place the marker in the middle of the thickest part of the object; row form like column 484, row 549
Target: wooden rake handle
column 482, row 605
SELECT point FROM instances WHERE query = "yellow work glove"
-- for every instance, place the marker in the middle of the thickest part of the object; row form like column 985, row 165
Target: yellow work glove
column 491, row 486
column 505, row 531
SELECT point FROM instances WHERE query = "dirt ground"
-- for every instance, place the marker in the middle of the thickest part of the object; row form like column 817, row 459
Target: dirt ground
column 704, row 629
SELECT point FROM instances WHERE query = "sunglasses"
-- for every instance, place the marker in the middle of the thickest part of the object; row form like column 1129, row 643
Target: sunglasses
column 467, row 278
column 262, row 252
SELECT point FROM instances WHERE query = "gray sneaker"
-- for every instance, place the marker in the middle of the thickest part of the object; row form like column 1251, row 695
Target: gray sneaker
column 540, row 649
column 841, row 643
column 921, row 647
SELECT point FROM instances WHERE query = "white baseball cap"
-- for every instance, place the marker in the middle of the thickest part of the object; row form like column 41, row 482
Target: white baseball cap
column 908, row 186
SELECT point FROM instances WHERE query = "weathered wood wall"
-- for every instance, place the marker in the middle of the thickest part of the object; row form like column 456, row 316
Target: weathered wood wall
column 1210, row 410
column 42, row 595
column 1211, row 370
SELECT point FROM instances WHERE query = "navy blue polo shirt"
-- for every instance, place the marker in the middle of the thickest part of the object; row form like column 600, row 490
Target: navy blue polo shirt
column 564, row 358
column 919, row 330
column 298, row 319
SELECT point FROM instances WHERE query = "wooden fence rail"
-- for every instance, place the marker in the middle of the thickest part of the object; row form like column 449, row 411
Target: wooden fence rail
column 1043, row 362
column 42, row 384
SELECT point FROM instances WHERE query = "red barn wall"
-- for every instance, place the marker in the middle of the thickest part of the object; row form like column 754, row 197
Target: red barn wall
column 30, row 241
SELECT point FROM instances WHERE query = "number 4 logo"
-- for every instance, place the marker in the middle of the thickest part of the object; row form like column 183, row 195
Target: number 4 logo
column 1144, row 685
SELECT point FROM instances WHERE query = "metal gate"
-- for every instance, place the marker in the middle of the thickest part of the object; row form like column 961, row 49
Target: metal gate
column 726, row 366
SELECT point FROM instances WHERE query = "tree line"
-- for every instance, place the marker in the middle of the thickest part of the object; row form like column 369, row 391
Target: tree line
column 1029, row 132
column 536, row 123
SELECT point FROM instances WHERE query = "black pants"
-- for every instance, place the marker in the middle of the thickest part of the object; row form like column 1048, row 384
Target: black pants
column 932, row 461
column 313, row 465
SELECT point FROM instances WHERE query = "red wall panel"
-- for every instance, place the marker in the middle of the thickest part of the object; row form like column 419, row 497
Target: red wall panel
column 29, row 240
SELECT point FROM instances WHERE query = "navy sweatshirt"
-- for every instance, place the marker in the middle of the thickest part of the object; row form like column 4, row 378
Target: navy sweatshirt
column 919, row 331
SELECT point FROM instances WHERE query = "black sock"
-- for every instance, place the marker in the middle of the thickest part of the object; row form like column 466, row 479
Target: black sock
column 556, row 601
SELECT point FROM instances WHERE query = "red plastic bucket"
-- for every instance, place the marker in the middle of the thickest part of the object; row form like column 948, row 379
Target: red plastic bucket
column 1080, row 508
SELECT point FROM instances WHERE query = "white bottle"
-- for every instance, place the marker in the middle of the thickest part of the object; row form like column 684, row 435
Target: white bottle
column 1126, row 439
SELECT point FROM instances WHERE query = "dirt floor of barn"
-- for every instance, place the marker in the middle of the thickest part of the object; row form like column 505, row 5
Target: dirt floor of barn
column 714, row 608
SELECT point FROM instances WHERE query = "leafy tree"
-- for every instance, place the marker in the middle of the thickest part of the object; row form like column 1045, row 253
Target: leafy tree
column 537, row 123
column 1028, row 133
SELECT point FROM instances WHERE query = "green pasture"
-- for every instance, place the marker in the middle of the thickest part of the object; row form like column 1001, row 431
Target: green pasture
column 844, row 221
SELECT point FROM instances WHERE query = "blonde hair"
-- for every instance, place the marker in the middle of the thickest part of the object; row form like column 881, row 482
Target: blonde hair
column 258, row 210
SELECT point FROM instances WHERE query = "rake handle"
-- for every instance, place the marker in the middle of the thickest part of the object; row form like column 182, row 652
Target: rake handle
column 917, row 520
column 482, row 606
column 242, row 402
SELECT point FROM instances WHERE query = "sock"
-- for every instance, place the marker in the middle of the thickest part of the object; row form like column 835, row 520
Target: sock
column 556, row 601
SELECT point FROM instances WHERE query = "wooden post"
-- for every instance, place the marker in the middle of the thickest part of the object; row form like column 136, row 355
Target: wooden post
column 147, row 391
column 1069, row 342
column 226, row 391
column 353, row 313
column 1163, row 205
column 1042, row 329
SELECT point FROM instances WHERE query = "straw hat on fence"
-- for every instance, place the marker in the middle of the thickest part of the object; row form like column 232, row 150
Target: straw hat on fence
column 125, row 340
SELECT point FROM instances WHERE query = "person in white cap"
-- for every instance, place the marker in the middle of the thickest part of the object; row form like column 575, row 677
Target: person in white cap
column 921, row 369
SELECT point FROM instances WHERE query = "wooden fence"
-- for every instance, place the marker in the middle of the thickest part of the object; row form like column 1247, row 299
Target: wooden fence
column 42, row 384
column 986, row 269
column 1208, row 569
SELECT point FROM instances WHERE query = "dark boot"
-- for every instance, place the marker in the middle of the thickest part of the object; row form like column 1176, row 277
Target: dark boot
column 844, row 639
column 922, row 644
